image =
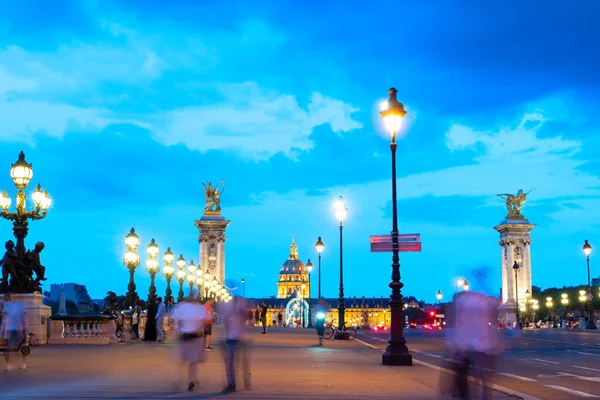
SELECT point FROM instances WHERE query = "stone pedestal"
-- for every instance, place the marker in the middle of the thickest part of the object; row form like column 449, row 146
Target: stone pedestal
column 37, row 315
column 515, row 241
column 212, row 244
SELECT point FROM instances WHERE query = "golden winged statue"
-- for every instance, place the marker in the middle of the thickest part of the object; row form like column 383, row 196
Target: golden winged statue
column 213, row 196
column 515, row 202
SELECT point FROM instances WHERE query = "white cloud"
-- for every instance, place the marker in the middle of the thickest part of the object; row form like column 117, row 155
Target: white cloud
column 256, row 122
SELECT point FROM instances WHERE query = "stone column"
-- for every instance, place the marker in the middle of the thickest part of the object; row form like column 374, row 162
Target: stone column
column 212, row 238
column 515, row 240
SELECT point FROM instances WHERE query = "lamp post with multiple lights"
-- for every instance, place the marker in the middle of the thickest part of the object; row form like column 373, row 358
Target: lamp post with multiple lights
column 132, row 261
column 152, row 268
column 516, row 269
column 309, row 268
column 168, row 272
column 340, row 212
column 191, row 278
column 396, row 352
column 180, row 277
column 21, row 173
column 587, row 249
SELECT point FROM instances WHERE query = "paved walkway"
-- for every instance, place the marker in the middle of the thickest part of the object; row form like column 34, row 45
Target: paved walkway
column 286, row 365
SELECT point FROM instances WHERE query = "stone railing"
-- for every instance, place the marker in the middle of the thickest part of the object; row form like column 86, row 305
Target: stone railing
column 82, row 329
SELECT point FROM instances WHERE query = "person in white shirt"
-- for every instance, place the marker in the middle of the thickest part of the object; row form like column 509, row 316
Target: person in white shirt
column 190, row 317
column 235, row 314
column 160, row 320
column 13, row 325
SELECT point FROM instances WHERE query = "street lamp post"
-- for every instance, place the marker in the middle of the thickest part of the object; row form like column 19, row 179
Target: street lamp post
column 309, row 268
column 191, row 278
column 243, row 288
column 180, row 277
column 132, row 261
column 199, row 282
column 396, row 352
column 340, row 212
column 587, row 249
column 208, row 279
column 168, row 272
column 302, row 315
column 319, row 246
column 152, row 268
column 21, row 173
column 438, row 295
column 516, row 269
column 549, row 306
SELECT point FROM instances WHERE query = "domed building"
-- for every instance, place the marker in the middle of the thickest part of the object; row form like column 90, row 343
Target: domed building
column 293, row 276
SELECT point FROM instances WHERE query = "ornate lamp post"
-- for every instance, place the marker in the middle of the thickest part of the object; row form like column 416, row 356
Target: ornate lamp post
column 243, row 288
column 302, row 287
column 199, row 282
column 152, row 267
column 340, row 212
column 438, row 295
column 132, row 261
column 396, row 352
column 21, row 173
column 191, row 277
column 319, row 246
column 549, row 306
column 168, row 272
column 309, row 269
column 516, row 269
column 587, row 249
column 208, row 279
column 180, row 277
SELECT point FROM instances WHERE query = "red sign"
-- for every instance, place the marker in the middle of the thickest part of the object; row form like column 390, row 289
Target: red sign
column 403, row 247
column 406, row 237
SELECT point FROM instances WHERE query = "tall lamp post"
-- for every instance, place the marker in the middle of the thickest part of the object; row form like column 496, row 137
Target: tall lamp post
column 302, row 311
column 319, row 246
column 168, row 272
column 396, row 352
column 152, row 267
column 191, row 277
column 243, row 288
column 516, row 269
column 208, row 279
column 340, row 212
column 180, row 277
column 21, row 173
column 132, row 261
column 309, row 268
column 438, row 295
column 587, row 249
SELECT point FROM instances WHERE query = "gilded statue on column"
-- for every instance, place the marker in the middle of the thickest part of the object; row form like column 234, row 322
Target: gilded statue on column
column 212, row 203
column 514, row 203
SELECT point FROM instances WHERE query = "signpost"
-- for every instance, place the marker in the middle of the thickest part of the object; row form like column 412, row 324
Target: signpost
column 407, row 243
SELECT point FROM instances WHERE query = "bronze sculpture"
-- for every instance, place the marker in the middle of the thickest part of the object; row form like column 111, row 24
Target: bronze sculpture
column 514, row 203
column 17, row 272
column 213, row 197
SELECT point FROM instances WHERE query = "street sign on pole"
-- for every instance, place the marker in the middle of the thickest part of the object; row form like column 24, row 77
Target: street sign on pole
column 407, row 243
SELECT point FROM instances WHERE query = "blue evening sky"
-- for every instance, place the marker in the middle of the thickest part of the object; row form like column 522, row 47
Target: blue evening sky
column 126, row 107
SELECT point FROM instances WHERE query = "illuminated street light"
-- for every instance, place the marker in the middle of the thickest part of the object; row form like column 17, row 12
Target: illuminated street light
column 340, row 213
column 396, row 353
column 152, row 268
column 320, row 247
column 439, row 296
column 132, row 261
column 564, row 299
column 309, row 269
column 168, row 272
column 180, row 277
column 466, row 286
column 191, row 278
column 587, row 249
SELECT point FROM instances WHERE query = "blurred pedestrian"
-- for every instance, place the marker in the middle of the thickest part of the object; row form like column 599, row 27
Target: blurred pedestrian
column 160, row 320
column 234, row 319
column 320, row 312
column 135, row 319
column 191, row 316
column 256, row 316
column 279, row 319
column 263, row 316
column 150, row 328
column 209, row 322
column 14, row 328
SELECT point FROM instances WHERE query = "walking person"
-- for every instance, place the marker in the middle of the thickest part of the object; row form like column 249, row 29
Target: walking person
column 209, row 322
column 263, row 316
column 256, row 316
column 14, row 328
column 190, row 317
column 279, row 319
column 234, row 319
column 320, row 313
column 135, row 319
column 160, row 319
column 150, row 328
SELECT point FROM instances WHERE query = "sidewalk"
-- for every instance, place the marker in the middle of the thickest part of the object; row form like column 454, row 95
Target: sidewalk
column 286, row 365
